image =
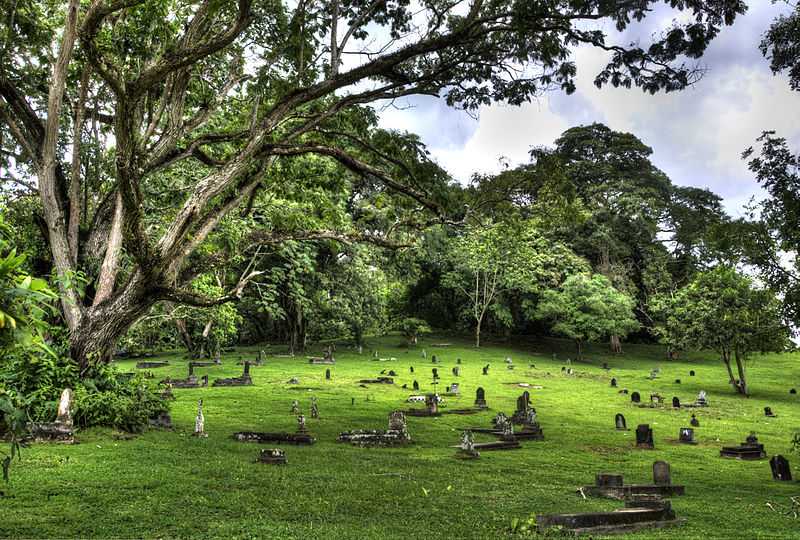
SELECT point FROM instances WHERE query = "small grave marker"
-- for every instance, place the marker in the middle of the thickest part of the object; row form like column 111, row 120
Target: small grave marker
column 635, row 397
column 780, row 469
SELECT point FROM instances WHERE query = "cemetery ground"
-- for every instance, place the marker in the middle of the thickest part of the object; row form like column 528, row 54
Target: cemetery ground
column 169, row 484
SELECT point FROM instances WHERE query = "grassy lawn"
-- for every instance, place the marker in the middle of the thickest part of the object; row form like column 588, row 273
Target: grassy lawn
column 169, row 484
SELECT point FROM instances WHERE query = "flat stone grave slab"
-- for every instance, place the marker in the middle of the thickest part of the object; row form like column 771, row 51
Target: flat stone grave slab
column 260, row 437
column 379, row 380
column 748, row 450
column 611, row 486
column 623, row 520
column 151, row 365
column 272, row 456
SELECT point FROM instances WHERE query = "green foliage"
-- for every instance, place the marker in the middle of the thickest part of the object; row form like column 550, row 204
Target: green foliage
column 412, row 329
column 587, row 308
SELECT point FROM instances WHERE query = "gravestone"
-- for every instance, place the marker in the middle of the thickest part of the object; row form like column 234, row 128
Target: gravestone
column 453, row 389
column 293, row 380
column 424, row 354
column 619, row 421
column 328, row 374
column 793, row 391
column 458, row 361
column 314, row 408
column 677, row 381
column 613, row 382
column 676, row 403
column 486, row 369
column 702, row 399
column 456, row 371
column 272, row 456
column 780, row 469
column 635, row 397
column 605, row 366
column 392, row 373
column 661, row 473
column 750, row 449
column 416, row 385
column 480, row 398
column 768, row 412
column 295, row 407
column 654, row 373
column 694, row 421
column 691, row 373
column 204, row 380
column 435, row 374
column 432, row 403
column 644, row 436
column 434, row 360
column 411, row 369
column 200, row 422
column 301, row 424
column 466, row 449
column 60, row 430
column 509, row 360
column 686, row 436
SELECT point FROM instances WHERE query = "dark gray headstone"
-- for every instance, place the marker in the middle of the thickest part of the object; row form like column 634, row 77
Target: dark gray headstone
column 677, row 381
column 435, row 373
column 768, row 412
column 691, row 373
column 635, row 397
column 458, row 361
column 780, row 469
column 613, row 382
column 694, row 421
column 793, row 391
column 619, row 421
column 486, row 369
column 416, row 385
column 676, row 403
column 661, row 474
column 480, row 397
column 411, row 369
column 686, row 435
column 328, row 374
column 644, row 436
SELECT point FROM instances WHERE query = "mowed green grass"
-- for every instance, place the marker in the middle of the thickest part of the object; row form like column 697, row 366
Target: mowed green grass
column 170, row 484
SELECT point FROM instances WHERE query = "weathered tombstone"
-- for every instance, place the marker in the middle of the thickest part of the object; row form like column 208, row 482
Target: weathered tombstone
column 191, row 369
column 486, row 369
column 661, row 474
column 768, row 412
column 411, row 369
column 676, row 403
column 694, row 421
column 686, row 436
column 619, row 421
column 569, row 371
column 416, row 385
column 563, row 369
column 613, row 382
column 780, row 469
column 314, row 408
column 654, row 374
column 301, row 424
column 480, row 398
column 656, row 399
column 635, row 397
column 691, row 373
column 272, row 456
column 392, row 373
column 328, row 374
column 293, row 380
column 295, row 407
column 453, row 389
column 793, row 391
column 466, row 449
column 435, row 373
column 424, row 353
column 458, row 361
column 456, row 371
column 509, row 360
column 432, row 403
column 644, row 436
column 434, row 360
column 200, row 421
column 204, row 380
column 702, row 399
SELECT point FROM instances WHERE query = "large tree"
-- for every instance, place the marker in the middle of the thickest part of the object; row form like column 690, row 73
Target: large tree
column 137, row 99
column 723, row 310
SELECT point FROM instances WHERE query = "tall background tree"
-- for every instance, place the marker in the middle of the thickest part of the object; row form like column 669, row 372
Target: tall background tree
column 149, row 124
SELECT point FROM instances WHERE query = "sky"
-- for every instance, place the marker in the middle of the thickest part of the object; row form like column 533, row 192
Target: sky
column 697, row 135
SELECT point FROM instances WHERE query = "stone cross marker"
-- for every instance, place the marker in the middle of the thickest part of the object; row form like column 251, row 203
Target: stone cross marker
column 619, row 421
column 480, row 398
column 635, row 397
column 780, row 469
column 435, row 373
column 661, row 473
